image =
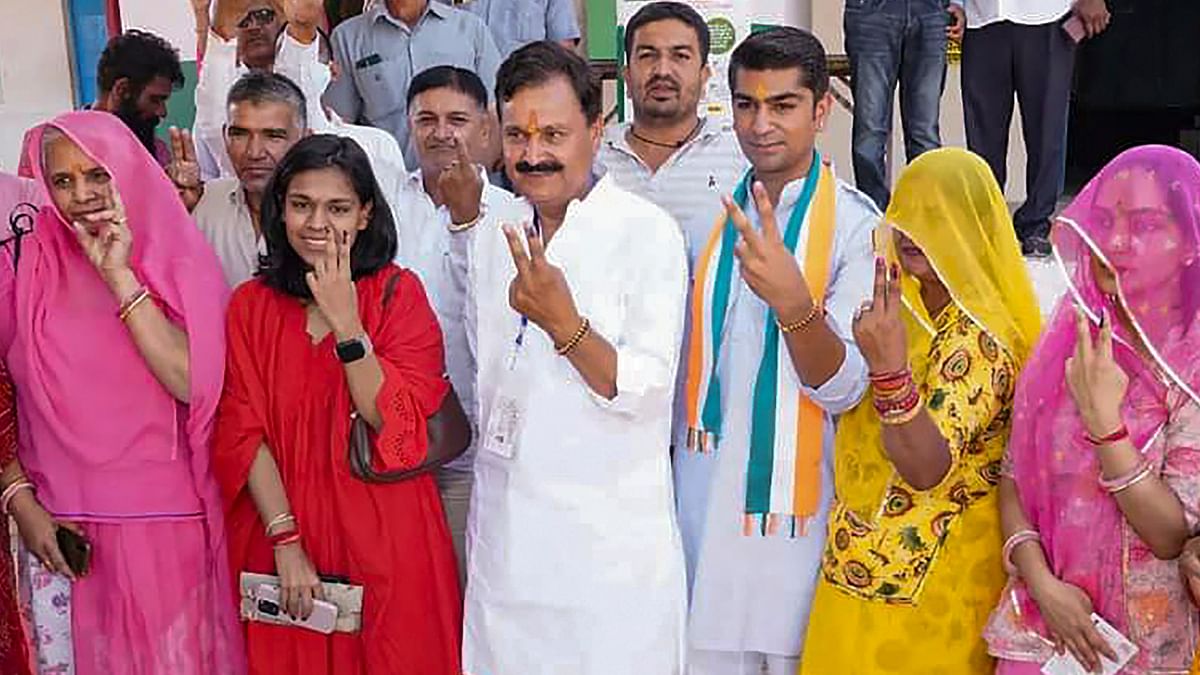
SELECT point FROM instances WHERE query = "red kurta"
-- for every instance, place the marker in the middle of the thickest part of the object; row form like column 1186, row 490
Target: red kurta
column 292, row 395
column 14, row 653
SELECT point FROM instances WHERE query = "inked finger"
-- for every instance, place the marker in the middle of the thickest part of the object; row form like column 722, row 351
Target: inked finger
column 1104, row 342
column 1083, row 336
column 537, row 248
column 879, row 290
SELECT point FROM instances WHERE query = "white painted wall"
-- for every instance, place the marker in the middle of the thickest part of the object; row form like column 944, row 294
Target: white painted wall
column 170, row 19
column 35, row 71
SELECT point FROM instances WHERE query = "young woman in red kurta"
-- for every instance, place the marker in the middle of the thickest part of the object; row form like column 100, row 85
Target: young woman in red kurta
column 284, row 424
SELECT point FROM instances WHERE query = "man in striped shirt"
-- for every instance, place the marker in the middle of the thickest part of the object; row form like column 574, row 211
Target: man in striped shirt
column 668, row 154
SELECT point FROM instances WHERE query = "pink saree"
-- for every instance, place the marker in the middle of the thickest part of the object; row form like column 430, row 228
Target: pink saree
column 1141, row 217
column 107, row 446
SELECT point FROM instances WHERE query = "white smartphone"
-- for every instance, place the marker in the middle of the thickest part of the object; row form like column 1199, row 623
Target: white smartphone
column 267, row 609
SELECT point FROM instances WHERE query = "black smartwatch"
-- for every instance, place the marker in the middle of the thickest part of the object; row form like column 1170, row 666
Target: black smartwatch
column 354, row 349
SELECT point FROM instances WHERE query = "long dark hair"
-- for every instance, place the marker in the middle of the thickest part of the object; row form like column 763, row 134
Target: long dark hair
column 374, row 249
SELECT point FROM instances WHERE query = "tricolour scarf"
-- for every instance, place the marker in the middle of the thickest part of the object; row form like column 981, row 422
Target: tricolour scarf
column 783, row 475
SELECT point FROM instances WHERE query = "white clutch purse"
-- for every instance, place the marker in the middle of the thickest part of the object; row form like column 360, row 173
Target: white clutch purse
column 347, row 598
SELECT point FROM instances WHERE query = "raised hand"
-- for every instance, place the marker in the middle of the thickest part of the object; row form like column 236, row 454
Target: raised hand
column 184, row 169
column 105, row 238
column 1096, row 381
column 767, row 265
column 461, row 187
column 540, row 292
column 332, row 287
column 878, row 329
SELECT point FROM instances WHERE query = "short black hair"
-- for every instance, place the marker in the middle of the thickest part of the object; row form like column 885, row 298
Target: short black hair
column 538, row 62
column 668, row 10
column 140, row 57
column 282, row 268
column 779, row 49
column 449, row 77
column 260, row 87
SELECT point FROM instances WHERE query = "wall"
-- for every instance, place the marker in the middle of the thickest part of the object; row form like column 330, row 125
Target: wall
column 35, row 71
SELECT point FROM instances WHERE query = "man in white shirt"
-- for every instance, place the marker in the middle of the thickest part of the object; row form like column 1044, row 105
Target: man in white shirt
column 438, row 209
column 777, row 284
column 575, row 563
column 267, row 116
column 247, row 35
column 1026, row 48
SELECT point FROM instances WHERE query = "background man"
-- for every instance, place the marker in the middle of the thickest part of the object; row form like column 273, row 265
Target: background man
column 382, row 49
column 1027, row 48
column 575, row 564
column 137, row 73
column 668, row 153
column 266, row 118
column 516, row 24
column 437, row 211
column 888, row 42
column 297, row 52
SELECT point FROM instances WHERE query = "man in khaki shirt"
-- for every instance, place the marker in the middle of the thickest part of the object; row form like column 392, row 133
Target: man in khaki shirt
column 266, row 118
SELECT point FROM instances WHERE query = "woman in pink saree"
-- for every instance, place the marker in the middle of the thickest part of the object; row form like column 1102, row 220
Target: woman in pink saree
column 111, row 325
column 1103, row 483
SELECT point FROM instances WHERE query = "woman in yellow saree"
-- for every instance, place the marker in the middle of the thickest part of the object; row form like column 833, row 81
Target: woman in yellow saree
column 912, row 567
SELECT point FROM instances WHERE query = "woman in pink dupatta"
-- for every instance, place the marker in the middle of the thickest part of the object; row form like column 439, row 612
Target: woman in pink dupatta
column 111, row 326
column 1103, row 483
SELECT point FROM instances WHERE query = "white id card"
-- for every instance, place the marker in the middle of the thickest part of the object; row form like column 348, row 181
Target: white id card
column 1067, row 664
column 507, row 414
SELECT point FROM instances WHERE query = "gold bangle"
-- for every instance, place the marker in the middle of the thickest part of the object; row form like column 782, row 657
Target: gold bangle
column 584, row 329
column 128, row 307
column 807, row 321
column 904, row 417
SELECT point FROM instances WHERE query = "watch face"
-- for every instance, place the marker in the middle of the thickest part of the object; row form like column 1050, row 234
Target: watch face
column 351, row 350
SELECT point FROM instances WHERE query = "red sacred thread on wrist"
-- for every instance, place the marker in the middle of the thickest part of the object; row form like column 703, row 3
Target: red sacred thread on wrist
column 1115, row 437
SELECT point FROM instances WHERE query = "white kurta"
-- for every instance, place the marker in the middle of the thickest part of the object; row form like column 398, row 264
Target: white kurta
column 753, row 594
column 575, row 563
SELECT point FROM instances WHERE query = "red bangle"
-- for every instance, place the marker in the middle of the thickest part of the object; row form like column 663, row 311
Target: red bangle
column 284, row 538
column 901, row 405
column 1115, row 437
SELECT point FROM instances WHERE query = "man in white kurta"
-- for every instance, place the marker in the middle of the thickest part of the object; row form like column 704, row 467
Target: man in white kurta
column 298, row 58
column 575, row 561
column 751, row 592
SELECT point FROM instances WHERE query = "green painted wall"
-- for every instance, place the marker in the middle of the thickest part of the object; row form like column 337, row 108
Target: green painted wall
column 181, row 108
column 602, row 29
